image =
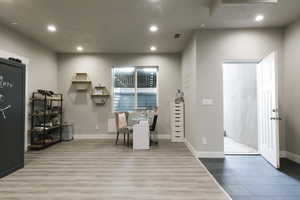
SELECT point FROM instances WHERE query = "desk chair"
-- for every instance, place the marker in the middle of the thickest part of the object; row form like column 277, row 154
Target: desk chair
column 153, row 131
column 122, row 126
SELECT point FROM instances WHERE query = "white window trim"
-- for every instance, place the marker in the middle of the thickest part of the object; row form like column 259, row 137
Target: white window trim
column 135, row 67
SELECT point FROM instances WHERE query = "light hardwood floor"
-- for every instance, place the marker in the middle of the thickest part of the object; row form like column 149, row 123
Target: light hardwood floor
column 98, row 169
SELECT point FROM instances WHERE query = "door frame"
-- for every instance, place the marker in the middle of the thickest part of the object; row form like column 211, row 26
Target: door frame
column 257, row 61
column 236, row 61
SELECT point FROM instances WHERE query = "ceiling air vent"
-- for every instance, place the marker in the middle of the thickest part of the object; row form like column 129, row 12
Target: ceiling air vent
column 215, row 4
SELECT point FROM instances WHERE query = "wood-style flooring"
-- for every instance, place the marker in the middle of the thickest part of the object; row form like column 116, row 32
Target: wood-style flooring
column 98, row 169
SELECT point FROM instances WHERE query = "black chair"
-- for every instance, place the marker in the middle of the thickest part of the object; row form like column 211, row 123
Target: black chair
column 153, row 131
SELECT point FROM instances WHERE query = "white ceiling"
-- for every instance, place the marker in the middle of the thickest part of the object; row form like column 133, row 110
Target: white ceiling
column 121, row 26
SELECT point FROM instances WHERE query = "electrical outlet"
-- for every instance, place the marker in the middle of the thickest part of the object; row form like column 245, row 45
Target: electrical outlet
column 204, row 141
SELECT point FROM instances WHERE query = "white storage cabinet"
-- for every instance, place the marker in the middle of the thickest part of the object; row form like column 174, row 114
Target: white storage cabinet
column 141, row 137
column 177, row 122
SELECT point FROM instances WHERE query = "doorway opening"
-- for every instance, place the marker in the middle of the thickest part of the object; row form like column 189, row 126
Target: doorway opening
column 240, row 108
column 251, row 112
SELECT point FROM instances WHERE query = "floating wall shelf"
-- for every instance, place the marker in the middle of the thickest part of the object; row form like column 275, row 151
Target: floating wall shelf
column 100, row 95
column 81, row 81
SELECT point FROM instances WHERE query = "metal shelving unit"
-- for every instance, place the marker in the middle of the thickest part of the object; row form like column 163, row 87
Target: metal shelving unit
column 46, row 120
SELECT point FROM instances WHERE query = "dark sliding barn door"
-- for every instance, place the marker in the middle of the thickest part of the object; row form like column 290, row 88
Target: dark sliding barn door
column 12, row 116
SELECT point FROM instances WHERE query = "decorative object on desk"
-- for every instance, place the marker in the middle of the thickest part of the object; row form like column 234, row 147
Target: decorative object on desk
column 177, row 121
column 179, row 96
column 46, row 119
column 81, row 81
column 100, row 95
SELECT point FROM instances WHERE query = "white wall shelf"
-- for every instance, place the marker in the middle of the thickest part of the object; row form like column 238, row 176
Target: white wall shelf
column 100, row 95
column 81, row 81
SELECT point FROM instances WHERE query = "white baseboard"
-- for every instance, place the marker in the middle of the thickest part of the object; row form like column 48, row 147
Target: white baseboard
column 211, row 154
column 291, row 156
column 164, row 137
column 282, row 154
column 178, row 140
column 203, row 154
column 111, row 136
column 191, row 148
column 94, row 136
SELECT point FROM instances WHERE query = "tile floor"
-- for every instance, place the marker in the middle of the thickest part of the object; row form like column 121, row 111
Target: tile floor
column 233, row 147
column 252, row 178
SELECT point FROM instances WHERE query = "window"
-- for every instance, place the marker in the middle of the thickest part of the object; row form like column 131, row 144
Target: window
column 134, row 88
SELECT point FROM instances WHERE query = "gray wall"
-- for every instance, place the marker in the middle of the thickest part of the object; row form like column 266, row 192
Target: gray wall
column 42, row 68
column 291, row 108
column 240, row 102
column 79, row 107
column 213, row 48
column 189, row 86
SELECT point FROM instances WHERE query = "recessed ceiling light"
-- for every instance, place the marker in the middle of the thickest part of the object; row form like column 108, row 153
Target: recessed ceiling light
column 259, row 18
column 14, row 23
column 153, row 48
column 153, row 28
column 51, row 28
column 79, row 48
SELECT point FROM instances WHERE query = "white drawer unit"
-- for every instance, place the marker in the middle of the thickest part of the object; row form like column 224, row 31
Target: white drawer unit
column 177, row 122
column 141, row 136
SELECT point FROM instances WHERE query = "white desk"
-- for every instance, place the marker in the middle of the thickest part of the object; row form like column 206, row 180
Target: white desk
column 141, row 136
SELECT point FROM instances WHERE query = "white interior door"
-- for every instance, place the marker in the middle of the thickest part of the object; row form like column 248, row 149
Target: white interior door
column 268, row 116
